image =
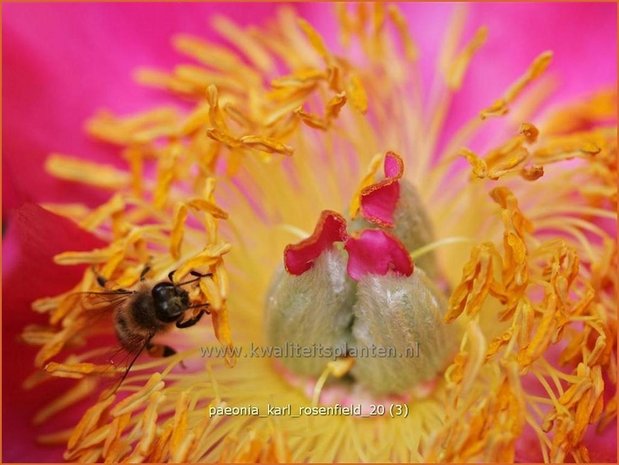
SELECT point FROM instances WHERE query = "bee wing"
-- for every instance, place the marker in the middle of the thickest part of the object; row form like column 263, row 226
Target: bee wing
column 123, row 358
column 112, row 362
column 103, row 299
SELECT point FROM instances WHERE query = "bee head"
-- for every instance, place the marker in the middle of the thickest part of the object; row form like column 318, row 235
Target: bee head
column 170, row 301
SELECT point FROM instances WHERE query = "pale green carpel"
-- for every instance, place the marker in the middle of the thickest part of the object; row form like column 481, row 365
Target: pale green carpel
column 397, row 316
column 404, row 316
column 312, row 310
column 412, row 226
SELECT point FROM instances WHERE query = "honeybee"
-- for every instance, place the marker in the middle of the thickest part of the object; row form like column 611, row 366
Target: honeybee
column 142, row 313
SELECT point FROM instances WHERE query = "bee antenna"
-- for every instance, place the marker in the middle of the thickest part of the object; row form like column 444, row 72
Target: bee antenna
column 144, row 272
column 101, row 280
column 171, row 276
column 200, row 275
column 198, row 278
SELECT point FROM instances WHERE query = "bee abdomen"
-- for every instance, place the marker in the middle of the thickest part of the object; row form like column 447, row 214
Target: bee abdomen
column 128, row 337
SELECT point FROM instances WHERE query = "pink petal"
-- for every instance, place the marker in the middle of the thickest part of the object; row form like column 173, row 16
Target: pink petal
column 331, row 227
column 379, row 200
column 393, row 165
column 377, row 252
column 62, row 63
column 33, row 237
column 581, row 35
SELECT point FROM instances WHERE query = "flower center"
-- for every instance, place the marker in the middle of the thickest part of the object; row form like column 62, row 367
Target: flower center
column 363, row 313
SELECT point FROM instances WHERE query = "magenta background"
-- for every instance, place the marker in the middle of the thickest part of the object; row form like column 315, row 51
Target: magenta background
column 62, row 62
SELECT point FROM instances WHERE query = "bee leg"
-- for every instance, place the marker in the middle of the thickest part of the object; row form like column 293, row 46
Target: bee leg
column 198, row 277
column 191, row 321
column 101, row 280
column 161, row 351
column 144, row 272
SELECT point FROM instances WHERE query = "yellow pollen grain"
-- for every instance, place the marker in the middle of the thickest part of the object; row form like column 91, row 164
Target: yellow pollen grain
column 532, row 172
column 529, row 131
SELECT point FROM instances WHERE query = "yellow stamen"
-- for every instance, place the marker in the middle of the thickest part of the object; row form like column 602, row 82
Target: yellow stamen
column 78, row 170
column 501, row 106
column 527, row 277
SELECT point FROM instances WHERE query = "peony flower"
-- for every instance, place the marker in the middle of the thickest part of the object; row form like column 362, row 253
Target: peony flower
column 339, row 203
